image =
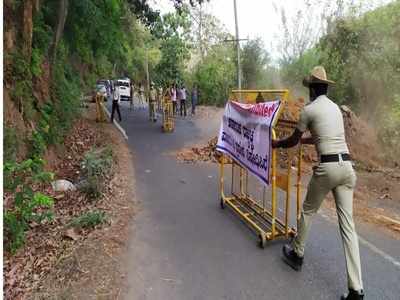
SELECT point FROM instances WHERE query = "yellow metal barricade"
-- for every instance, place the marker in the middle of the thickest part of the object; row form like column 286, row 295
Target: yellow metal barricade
column 167, row 113
column 100, row 113
column 266, row 209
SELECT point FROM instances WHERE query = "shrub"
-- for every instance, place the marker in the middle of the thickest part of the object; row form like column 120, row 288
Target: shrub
column 36, row 62
column 66, row 93
column 37, row 144
column 89, row 219
column 10, row 143
column 95, row 166
column 19, row 179
column 389, row 130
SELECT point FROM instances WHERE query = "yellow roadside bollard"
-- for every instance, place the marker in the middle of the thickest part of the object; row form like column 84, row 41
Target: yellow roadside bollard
column 269, row 217
column 100, row 113
column 167, row 114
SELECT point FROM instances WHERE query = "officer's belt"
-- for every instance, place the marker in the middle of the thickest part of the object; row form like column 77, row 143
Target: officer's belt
column 334, row 157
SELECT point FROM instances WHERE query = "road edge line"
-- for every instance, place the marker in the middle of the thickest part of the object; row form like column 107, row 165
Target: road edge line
column 115, row 122
column 370, row 246
column 378, row 251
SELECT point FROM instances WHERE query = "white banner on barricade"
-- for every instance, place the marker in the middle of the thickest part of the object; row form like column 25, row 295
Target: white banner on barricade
column 245, row 135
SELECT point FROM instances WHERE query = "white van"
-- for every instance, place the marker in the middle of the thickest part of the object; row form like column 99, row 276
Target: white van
column 124, row 87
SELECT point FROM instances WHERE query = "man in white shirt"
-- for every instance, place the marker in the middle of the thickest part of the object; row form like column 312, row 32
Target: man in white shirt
column 183, row 100
column 116, row 101
column 173, row 98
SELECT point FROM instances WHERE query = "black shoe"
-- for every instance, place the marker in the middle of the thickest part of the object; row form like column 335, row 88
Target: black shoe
column 291, row 258
column 353, row 295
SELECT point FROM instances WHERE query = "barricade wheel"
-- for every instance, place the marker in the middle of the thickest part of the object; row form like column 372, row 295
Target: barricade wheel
column 222, row 203
column 262, row 241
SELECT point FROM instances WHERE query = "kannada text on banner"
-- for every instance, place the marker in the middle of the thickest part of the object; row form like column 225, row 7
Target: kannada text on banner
column 245, row 135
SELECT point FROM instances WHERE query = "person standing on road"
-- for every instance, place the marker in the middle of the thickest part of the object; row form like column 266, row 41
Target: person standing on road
column 178, row 98
column 141, row 95
column 153, row 103
column 115, row 103
column 109, row 90
column 182, row 103
column 159, row 93
column 131, row 94
column 334, row 173
column 194, row 98
column 173, row 98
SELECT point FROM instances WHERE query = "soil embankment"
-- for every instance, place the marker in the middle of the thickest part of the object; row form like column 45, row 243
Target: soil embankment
column 80, row 263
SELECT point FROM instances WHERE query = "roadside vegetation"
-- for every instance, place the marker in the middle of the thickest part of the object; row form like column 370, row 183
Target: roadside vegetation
column 95, row 167
column 54, row 53
column 21, row 180
column 89, row 219
column 360, row 53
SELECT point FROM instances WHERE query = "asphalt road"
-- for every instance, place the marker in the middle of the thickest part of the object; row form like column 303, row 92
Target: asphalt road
column 183, row 246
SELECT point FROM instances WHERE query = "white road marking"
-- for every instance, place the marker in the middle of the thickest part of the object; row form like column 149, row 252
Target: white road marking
column 115, row 122
column 378, row 251
column 371, row 246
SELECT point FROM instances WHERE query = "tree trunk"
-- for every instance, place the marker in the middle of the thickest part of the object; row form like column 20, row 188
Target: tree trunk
column 62, row 17
column 30, row 8
column 27, row 28
column 36, row 5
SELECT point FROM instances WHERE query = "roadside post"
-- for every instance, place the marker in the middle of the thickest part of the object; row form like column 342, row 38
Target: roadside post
column 168, row 123
column 100, row 114
column 255, row 181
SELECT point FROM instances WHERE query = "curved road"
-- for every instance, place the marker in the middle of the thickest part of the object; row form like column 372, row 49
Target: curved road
column 183, row 246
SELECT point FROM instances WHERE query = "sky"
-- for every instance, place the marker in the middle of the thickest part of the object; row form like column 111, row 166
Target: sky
column 262, row 18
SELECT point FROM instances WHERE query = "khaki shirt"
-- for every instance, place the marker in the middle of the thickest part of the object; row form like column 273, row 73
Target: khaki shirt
column 325, row 121
column 153, row 95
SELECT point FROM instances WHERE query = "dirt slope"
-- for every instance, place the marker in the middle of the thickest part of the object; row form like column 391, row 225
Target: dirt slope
column 57, row 264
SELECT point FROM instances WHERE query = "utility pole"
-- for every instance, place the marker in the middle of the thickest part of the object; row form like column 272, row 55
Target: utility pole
column 147, row 80
column 147, row 72
column 239, row 81
column 201, row 34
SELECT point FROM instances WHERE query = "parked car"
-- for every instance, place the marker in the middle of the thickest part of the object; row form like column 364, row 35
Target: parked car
column 124, row 86
column 101, row 81
column 101, row 88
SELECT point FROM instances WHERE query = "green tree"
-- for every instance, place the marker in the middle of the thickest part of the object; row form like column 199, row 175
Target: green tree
column 172, row 30
column 255, row 61
column 205, row 32
column 215, row 75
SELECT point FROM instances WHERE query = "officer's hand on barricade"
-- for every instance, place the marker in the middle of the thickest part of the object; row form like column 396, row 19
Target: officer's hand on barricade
column 307, row 140
column 275, row 144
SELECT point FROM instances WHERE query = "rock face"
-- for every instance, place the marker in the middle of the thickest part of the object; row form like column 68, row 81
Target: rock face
column 63, row 185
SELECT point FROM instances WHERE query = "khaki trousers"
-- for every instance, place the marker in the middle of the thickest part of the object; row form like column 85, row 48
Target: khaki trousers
column 340, row 178
column 152, row 110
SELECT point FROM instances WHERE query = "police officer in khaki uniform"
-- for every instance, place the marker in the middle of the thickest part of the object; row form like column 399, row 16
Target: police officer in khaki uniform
column 335, row 173
column 152, row 103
